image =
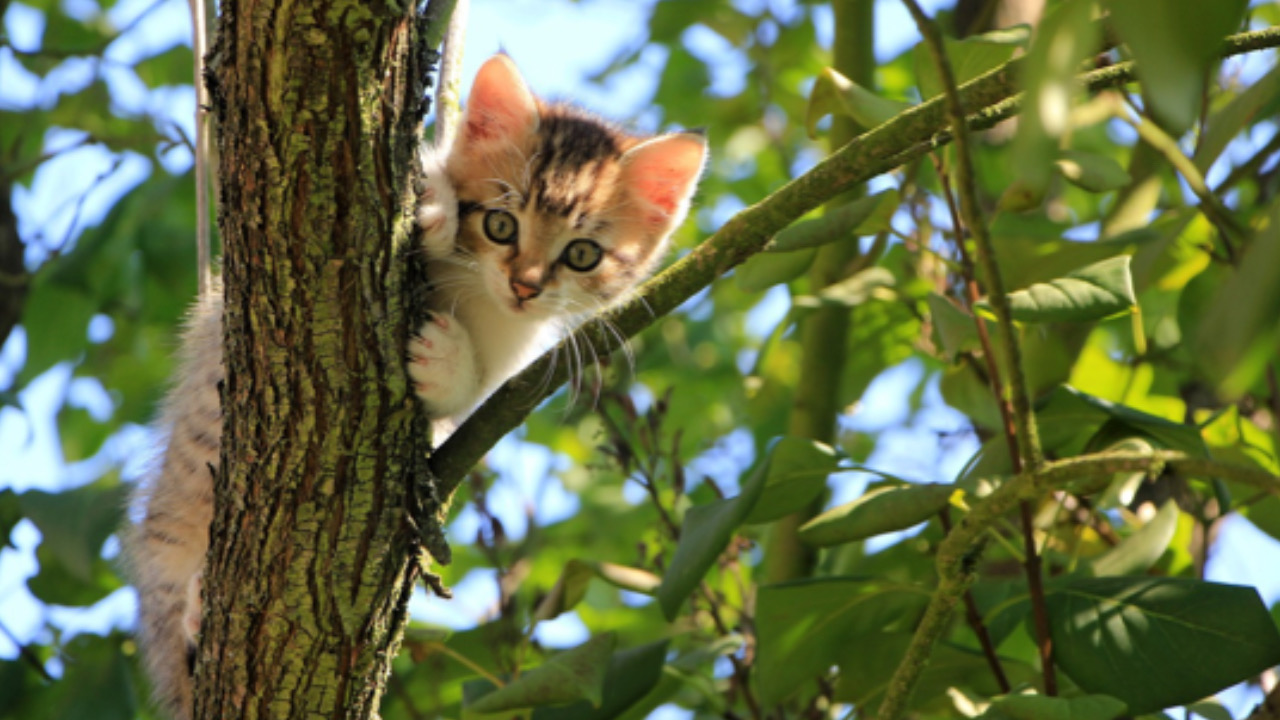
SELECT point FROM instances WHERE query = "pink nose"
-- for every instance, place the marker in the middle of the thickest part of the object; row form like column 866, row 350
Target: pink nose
column 524, row 291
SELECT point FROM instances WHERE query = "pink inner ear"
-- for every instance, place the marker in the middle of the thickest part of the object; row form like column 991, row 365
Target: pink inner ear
column 500, row 106
column 664, row 171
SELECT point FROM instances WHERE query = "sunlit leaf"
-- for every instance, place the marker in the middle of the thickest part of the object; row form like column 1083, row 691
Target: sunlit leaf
column 1138, row 552
column 577, row 674
column 1090, row 293
column 764, row 270
column 834, row 93
column 796, row 471
column 864, row 216
column 878, row 511
column 1186, row 639
column 1175, row 42
column 1092, row 172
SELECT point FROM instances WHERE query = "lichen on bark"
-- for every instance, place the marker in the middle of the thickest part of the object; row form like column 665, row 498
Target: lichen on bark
column 312, row 560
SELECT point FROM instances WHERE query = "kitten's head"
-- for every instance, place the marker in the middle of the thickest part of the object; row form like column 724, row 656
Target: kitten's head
column 562, row 212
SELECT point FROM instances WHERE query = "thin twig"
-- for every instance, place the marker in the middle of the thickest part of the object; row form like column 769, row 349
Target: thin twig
column 27, row 654
column 974, row 618
column 1024, row 446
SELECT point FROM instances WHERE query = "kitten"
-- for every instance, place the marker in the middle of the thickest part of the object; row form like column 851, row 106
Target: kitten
column 536, row 216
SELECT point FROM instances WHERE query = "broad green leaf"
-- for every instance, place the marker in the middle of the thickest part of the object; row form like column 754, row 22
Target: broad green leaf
column 1238, row 329
column 864, row 216
column 1258, row 100
column 1138, row 552
column 1040, row 707
column 97, row 684
column 804, row 627
column 628, row 578
column 58, row 584
column 1092, row 172
column 957, row 330
column 171, row 67
column 632, row 673
column 1076, row 418
column 834, row 93
column 796, row 471
column 1090, row 293
column 969, row 57
column 56, row 319
column 576, row 674
column 10, row 515
column 1064, row 38
column 705, row 532
column 850, row 292
column 1186, row 639
column 764, row 270
column 81, row 434
column 1031, row 248
column 73, row 524
column 1176, row 43
column 568, row 591
column 878, row 511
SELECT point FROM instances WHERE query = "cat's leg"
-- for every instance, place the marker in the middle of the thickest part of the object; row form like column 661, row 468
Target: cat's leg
column 444, row 367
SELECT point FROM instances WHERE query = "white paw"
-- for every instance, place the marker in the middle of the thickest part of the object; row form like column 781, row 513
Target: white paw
column 437, row 212
column 442, row 366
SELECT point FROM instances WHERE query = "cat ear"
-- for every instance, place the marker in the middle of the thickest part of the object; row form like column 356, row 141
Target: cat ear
column 501, row 109
column 662, row 173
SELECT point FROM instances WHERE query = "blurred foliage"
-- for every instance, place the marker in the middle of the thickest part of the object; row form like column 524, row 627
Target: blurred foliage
column 1149, row 313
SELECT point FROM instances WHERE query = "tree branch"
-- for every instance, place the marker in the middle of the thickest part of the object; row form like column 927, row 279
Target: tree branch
column 988, row 99
column 958, row 553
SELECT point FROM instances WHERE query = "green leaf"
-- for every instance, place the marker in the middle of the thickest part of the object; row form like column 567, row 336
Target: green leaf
column 805, row 627
column 796, row 471
column 1176, row 43
column 1090, row 293
column 1237, row 333
column 969, row 57
column 1039, row 707
column 98, row 684
column 568, row 591
column 171, row 67
column 572, row 675
column 1138, row 552
column 834, row 93
column 878, row 511
column 764, row 270
column 864, row 216
column 75, row 523
column 1259, row 100
column 1064, row 38
column 10, row 515
column 1092, row 172
column 1186, row 639
column 850, row 292
column 704, row 534
column 1075, row 419
column 632, row 673
column 56, row 319
column 957, row 331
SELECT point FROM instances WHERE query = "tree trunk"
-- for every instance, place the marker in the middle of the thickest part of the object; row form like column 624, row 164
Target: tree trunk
column 312, row 559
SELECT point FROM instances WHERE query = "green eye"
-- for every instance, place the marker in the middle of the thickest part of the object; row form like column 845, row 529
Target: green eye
column 501, row 226
column 583, row 255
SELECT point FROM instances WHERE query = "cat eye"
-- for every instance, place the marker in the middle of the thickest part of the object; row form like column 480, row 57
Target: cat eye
column 500, row 226
column 583, row 255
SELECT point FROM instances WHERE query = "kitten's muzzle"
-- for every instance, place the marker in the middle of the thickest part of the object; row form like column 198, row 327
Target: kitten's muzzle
column 525, row 291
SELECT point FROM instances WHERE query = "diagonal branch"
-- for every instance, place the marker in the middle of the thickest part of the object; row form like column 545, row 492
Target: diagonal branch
column 988, row 99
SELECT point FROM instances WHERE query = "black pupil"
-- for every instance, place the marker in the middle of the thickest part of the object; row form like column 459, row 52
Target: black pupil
column 500, row 224
column 582, row 255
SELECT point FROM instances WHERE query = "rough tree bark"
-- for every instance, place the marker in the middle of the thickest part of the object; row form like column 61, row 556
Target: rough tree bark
column 313, row 559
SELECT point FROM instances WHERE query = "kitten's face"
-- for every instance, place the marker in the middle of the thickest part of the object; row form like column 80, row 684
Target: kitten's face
column 561, row 212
